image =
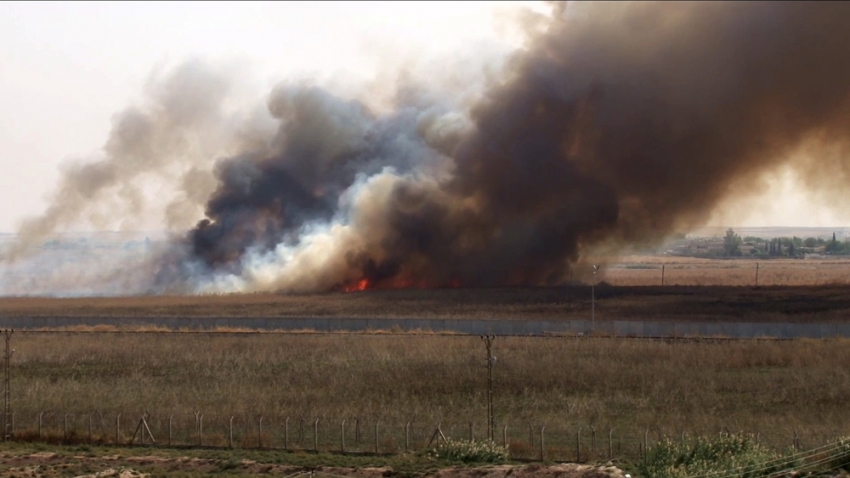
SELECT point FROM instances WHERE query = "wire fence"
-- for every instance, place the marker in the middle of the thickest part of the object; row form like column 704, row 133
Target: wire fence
column 526, row 440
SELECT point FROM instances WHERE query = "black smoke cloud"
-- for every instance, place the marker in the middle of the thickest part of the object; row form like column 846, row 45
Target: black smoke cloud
column 617, row 124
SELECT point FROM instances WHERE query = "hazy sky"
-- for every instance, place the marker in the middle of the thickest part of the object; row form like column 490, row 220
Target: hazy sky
column 66, row 68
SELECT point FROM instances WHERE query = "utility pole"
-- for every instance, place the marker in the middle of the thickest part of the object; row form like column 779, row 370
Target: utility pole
column 7, row 376
column 488, row 342
column 593, row 300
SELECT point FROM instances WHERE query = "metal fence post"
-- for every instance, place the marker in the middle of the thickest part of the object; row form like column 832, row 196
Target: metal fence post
column 593, row 439
column 170, row 417
column 376, row 436
column 505, row 436
column 610, row 444
column 301, row 430
column 542, row 455
column 471, row 438
column 91, row 415
column 316, row 435
column 578, row 445
column 230, row 432
column 40, row 416
column 260, row 432
column 342, row 436
column 407, row 436
column 286, row 434
column 118, row 428
column 199, row 423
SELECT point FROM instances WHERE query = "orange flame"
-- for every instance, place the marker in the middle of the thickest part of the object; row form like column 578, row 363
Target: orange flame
column 398, row 282
column 362, row 284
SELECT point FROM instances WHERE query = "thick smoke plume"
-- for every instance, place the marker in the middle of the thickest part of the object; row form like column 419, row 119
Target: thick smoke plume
column 617, row 124
column 170, row 135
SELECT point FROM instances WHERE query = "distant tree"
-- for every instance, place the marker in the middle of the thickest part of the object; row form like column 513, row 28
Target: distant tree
column 791, row 250
column 731, row 244
column 835, row 247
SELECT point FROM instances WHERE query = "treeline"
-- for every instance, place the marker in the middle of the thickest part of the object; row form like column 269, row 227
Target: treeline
column 782, row 246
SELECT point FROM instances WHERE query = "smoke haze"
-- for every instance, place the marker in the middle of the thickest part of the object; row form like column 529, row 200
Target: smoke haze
column 617, row 125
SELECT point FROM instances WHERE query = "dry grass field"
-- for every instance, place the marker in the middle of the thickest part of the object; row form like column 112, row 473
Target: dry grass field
column 695, row 289
column 685, row 303
column 766, row 387
column 689, row 271
column 632, row 386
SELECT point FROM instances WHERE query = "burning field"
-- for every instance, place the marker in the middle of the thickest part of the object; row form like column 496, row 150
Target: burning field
column 615, row 126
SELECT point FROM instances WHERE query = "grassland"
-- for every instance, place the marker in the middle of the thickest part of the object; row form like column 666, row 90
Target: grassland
column 682, row 303
column 638, row 388
column 695, row 289
column 771, row 388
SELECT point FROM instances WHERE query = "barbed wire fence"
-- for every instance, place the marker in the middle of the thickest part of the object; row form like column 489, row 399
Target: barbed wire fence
column 526, row 440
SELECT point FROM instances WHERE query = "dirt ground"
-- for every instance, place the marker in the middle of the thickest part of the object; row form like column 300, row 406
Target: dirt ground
column 47, row 464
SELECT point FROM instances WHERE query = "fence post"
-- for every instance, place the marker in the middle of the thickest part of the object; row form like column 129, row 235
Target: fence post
column 542, row 455
column 531, row 434
column 342, row 436
column 260, row 432
column 505, row 436
column 91, row 415
column 230, row 432
column 170, row 417
column 118, row 429
column 316, row 435
column 593, row 439
column 578, row 445
column 65, row 429
column 376, row 436
column 286, row 434
column 407, row 436
column 199, row 425
column 356, row 431
column 646, row 445
column 610, row 444
column 40, row 416
column 471, row 438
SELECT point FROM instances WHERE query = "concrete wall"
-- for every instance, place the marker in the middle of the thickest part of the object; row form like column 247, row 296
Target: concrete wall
column 630, row 328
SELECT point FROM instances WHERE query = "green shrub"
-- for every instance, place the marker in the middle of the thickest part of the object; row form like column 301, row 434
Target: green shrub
column 470, row 451
column 841, row 455
column 730, row 455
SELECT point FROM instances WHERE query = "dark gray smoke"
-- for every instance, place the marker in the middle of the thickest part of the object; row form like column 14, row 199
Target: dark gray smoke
column 618, row 124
